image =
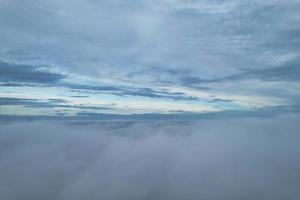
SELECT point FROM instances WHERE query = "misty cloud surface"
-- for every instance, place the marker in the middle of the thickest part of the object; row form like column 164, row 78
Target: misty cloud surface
column 246, row 158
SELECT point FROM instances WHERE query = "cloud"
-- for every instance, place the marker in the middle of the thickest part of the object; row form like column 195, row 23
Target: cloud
column 17, row 75
column 60, row 106
column 287, row 71
column 91, row 114
column 130, row 91
column 164, row 50
column 27, row 74
column 224, row 159
column 152, row 99
column 211, row 39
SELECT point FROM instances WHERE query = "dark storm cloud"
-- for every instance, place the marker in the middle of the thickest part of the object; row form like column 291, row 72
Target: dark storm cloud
column 220, row 159
column 27, row 74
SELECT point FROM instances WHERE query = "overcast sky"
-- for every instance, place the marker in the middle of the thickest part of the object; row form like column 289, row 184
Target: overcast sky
column 83, row 57
column 149, row 99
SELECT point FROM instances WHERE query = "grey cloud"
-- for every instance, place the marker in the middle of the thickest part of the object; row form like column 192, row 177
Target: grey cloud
column 129, row 91
column 288, row 71
column 80, row 96
column 27, row 74
column 15, row 101
column 182, row 116
column 153, row 44
column 115, row 40
column 272, row 24
column 49, row 103
column 220, row 100
column 89, row 114
column 223, row 159
column 148, row 92
column 15, row 84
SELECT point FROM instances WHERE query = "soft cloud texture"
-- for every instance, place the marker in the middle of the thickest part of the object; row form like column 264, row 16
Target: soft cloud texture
column 250, row 158
column 152, row 99
column 180, row 53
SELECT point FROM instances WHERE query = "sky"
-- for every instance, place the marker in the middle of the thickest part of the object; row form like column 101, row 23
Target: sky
column 148, row 59
column 149, row 99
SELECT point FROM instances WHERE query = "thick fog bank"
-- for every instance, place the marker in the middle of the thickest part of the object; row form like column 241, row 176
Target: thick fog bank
column 216, row 159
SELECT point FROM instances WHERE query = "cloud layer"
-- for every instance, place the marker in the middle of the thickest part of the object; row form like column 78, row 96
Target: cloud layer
column 249, row 158
column 160, row 56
